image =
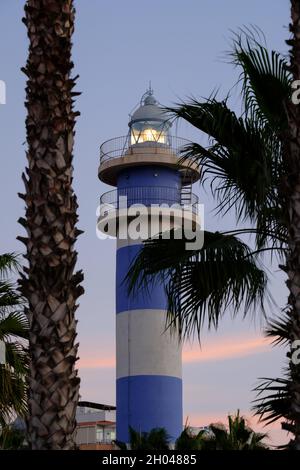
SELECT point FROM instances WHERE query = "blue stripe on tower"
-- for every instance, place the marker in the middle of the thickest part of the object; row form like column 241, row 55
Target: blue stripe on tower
column 145, row 402
column 153, row 298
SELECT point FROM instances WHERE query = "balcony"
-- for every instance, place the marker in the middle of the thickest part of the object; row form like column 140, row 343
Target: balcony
column 149, row 195
column 120, row 146
column 118, row 153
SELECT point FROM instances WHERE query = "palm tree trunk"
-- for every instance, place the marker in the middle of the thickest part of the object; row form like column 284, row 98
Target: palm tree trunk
column 50, row 284
column 292, row 197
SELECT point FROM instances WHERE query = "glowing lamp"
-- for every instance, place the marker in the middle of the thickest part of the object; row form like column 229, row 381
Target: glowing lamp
column 149, row 123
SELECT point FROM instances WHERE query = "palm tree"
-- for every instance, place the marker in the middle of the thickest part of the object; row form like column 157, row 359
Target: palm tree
column 187, row 441
column 246, row 167
column 156, row 439
column 12, row 439
column 14, row 334
column 291, row 195
column 203, row 283
column 236, row 436
column 50, row 284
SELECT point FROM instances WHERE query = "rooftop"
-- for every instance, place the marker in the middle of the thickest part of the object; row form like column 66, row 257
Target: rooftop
column 96, row 406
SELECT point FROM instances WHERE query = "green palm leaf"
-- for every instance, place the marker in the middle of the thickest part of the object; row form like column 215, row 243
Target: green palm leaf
column 187, row 441
column 266, row 81
column 242, row 161
column 12, row 394
column 155, row 439
column 8, row 263
column 201, row 284
column 13, row 324
column 279, row 329
column 237, row 435
column 273, row 399
column 17, row 357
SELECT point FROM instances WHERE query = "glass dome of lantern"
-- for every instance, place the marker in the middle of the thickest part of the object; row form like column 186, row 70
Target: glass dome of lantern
column 149, row 124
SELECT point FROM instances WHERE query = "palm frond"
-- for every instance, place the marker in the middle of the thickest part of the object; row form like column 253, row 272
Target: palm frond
column 271, row 229
column 17, row 358
column 279, row 329
column 14, row 324
column 187, row 441
column 237, row 435
column 241, row 162
column 273, row 399
column 9, row 297
column 12, row 394
column 266, row 80
column 8, row 262
column 155, row 439
column 201, row 284
column 12, row 438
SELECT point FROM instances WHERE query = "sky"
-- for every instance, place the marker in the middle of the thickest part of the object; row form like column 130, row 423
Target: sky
column 181, row 46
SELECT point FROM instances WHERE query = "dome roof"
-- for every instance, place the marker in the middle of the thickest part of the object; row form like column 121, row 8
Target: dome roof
column 149, row 110
column 150, row 100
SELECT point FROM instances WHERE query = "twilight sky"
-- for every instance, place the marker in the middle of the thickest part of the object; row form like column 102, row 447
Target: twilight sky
column 180, row 45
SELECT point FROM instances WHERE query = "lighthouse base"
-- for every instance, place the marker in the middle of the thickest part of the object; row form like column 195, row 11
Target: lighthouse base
column 145, row 402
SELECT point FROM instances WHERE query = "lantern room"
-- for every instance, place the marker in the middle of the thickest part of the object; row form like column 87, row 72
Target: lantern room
column 149, row 123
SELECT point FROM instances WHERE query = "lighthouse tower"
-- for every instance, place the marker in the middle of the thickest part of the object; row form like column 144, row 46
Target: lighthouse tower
column 146, row 168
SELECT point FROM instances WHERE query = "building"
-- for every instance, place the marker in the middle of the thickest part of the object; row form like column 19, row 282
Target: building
column 146, row 169
column 96, row 426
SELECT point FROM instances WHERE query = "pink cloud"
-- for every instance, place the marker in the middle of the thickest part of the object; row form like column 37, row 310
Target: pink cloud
column 215, row 350
column 95, row 363
column 226, row 349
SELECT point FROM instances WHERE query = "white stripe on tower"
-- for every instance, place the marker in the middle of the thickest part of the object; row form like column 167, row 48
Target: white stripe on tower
column 144, row 347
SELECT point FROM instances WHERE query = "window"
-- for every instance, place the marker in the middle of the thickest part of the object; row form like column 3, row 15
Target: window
column 99, row 434
column 149, row 131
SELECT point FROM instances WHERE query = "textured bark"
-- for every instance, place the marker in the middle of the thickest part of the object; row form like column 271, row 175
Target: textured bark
column 292, row 197
column 50, row 284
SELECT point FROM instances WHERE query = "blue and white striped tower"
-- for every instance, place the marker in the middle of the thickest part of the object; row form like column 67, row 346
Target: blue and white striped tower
column 144, row 166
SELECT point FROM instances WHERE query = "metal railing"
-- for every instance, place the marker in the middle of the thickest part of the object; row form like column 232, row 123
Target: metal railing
column 120, row 146
column 146, row 195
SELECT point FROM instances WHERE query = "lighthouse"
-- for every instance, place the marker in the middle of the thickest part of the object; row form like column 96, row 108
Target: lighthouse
column 145, row 168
